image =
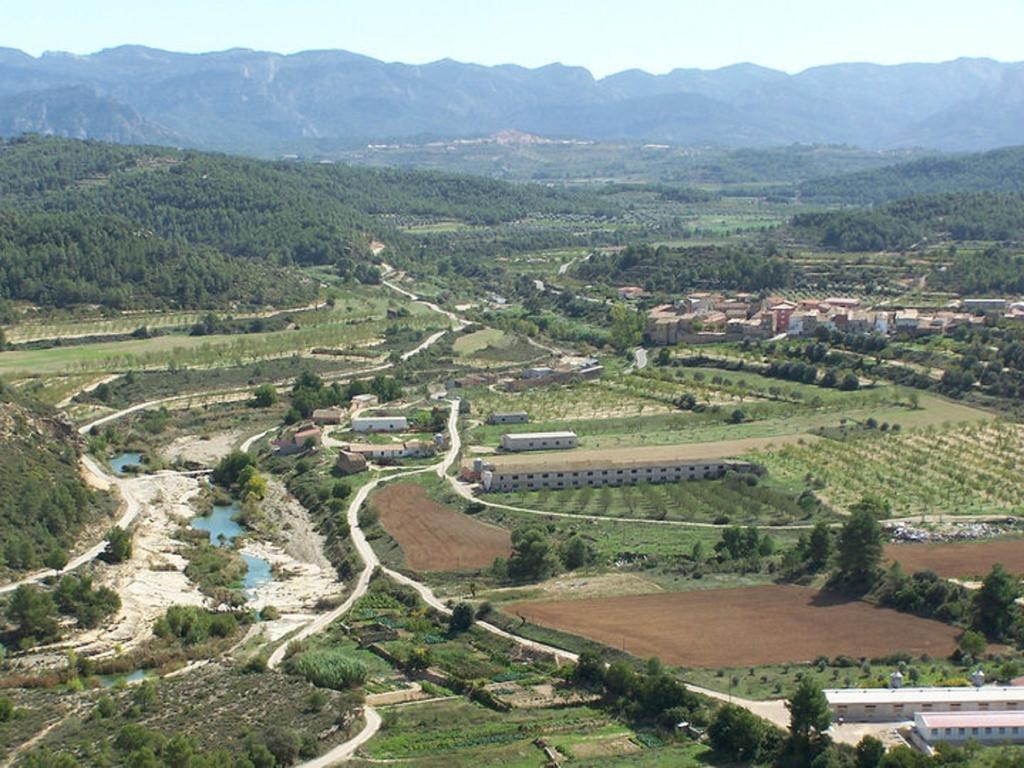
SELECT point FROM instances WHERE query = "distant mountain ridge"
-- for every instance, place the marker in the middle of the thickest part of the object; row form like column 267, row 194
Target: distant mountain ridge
column 253, row 101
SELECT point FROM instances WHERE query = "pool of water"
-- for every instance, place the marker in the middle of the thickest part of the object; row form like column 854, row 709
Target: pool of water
column 223, row 531
column 122, row 460
column 108, row 681
column 221, row 526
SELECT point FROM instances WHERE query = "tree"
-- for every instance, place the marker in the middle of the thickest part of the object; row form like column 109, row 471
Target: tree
column 995, row 613
column 533, row 558
column 589, row 669
column 229, row 468
column 736, row 734
column 264, row 396
column 6, row 709
column 576, row 552
column 627, row 327
column 809, row 713
column 870, row 752
column 859, row 550
column 119, row 545
column 819, row 547
column 35, row 613
column 462, row 618
column 971, row 644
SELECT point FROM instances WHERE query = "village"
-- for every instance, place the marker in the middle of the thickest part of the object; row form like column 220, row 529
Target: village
column 704, row 317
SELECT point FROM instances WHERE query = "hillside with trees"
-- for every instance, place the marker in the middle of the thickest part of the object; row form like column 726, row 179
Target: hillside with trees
column 1001, row 170
column 675, row 270
column 184, row 228
column 44, row 502
column 917, row 220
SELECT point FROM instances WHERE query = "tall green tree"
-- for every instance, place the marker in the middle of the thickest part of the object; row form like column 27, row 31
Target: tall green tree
column 533, row 557
column 995, row 612
column 859, row 550
column 35, row 613
column 736, row 734
column 627, row 327
column 819, row 546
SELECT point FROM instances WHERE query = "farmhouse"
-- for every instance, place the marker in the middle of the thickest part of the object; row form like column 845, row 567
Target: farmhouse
column 391, row 451
column 364, row 401
column 512, row 417
column 379, row 424
column 332, row 415
column 957, row 727
column 650, row 464
column 538, row 441
column 896, row 704
column 298, row 441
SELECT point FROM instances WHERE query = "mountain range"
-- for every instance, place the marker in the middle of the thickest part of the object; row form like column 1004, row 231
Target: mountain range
column 264, row 103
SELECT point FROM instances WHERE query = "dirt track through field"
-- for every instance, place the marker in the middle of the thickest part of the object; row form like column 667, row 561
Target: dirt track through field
column 742, row 627
column 959, row 560
column 433, row 536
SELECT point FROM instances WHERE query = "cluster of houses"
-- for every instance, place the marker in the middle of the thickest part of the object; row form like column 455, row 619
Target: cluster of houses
column 711, row 316
column 987, row 714
column 353, row 457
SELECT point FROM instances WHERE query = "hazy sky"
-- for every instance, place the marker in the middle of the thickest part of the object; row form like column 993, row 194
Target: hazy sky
column 604, row 35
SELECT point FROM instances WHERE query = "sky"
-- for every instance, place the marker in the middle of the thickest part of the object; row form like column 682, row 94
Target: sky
column 606, row 36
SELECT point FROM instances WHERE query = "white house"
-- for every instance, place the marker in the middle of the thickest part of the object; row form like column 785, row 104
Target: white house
column 380, row 424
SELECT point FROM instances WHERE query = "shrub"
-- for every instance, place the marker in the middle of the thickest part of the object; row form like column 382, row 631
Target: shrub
column 328, row 668
column 119, row 546
column 462, row 618
column 6, row 709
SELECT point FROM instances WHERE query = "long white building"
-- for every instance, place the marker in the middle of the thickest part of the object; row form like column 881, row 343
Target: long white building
column 618, row 466
column 902, row 704
column 1004, row 727
column 538, row 441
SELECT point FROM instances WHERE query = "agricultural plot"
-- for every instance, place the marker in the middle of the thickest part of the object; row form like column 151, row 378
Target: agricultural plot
column 214, row 350
column 492, row 347
column 971, row 469
column 585, row 400
column 731, row 501
column 458, row 733
column 434, row 536
column 742, row 627
column 963, row 560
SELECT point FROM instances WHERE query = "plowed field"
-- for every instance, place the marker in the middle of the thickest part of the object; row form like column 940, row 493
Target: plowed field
column 742, row 627
column 435, row 537
column 959, row 560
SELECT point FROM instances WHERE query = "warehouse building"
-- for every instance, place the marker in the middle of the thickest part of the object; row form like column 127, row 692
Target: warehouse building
column 898, row 704
column 651, row 464
column 512, row 417
column 538, row 441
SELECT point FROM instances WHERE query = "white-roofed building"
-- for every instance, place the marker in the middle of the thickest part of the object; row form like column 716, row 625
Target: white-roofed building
column 900, row 704
column 1001, row 727
column 538, row 441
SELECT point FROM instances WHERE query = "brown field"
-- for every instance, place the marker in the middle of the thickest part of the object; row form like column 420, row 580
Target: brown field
column 435, row 537
column 959, row 560
column 742, row 627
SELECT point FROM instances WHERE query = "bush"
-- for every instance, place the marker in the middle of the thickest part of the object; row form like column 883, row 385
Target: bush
column 119, row 546
column 6, row 709
column 462, row 618
column 328, row 668
column 192, row 625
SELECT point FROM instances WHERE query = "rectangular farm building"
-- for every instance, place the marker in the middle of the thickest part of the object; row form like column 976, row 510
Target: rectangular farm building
column 538, row 441
column 380, row 424
column 898, row 704
column 512, row 417
column 984, row 727
column 651, row 464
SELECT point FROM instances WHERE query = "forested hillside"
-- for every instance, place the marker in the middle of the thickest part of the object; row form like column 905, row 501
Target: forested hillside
column 182, row 228
column 676, row 270
column 44, row 502
column 1000, row 170
column 917, row 220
